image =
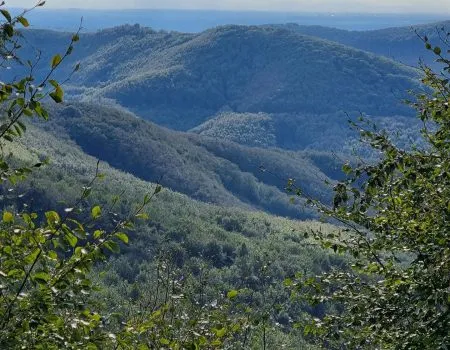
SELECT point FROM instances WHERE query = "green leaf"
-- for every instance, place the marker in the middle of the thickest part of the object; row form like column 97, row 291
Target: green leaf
column 41, row 277
column 52, row 218
column 346, row 168
column 112, row 246
column 29, row 259
column 288, row 282
column 97, row 234
column 437, row 50
column 79, row 251
column 54, row 83
column 164, row 341
column 6, row 14
column 220, row 332
column 56, row 60
column 143, row 216
column 71, row 239
column 8, row 217
column 16, row 273
column 28, row 112
column 122, row 236
column 96, row 212
column 158, row 189
column 232, row 294
column 57, row 95
column 52, row 255
column 23, row 21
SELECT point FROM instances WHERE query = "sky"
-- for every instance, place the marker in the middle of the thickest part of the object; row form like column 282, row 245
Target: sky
column 361, row 6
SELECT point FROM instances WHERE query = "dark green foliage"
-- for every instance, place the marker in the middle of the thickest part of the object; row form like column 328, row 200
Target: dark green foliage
column 210, row 170
column 395, row 215
column 45, row 257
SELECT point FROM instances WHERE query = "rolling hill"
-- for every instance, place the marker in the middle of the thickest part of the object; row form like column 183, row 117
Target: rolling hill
column 204, row 168
column 325, row 133
column 400, row 44
column 182, row 80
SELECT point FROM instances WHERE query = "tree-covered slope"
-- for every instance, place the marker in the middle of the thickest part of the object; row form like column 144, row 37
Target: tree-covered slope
column 181, row 80
column 400, row 44
column 251, row 69
column 230, row 245
column 208, row 169
column 324, row 133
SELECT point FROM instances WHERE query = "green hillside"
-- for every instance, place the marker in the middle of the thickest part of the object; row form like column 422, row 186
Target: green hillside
column 181, row 80
column 329, row 133
column 208, row 169
column 231, row 244
column 400, row 44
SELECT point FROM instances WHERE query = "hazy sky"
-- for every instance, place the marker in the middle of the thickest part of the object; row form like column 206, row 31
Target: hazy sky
column 379, row 6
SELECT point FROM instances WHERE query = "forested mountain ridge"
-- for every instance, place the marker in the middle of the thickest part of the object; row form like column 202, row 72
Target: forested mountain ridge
column 208, row 169
column 399, row 43
column 181, row 80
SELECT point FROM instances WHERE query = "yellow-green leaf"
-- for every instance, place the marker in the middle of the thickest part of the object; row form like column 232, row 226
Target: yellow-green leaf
column 57, row 95
column 8, row 217
column 23, row 21
column 41, row 277
column 29, row 259
column 164, row 341
column 220, row 332
column 52, row 218
column 71, row 239
column 123, row 237
column 96, row 212
column 6, row 14
column 56, row 60
column 232, row 294
column 143, row 216
column 97, row 234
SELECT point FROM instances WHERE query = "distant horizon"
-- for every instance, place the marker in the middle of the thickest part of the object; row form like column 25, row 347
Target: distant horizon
column 301, row 6
column 265, row 11
column 192, row 21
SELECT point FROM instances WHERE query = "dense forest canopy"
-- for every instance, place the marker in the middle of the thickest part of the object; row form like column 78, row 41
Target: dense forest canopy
column 181, row 80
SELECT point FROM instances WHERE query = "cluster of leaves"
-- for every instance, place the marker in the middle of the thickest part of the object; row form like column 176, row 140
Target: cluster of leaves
column 23, row 97
column 395, row 218
column 45, row 287
column 45, row 260
column 168, row 317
